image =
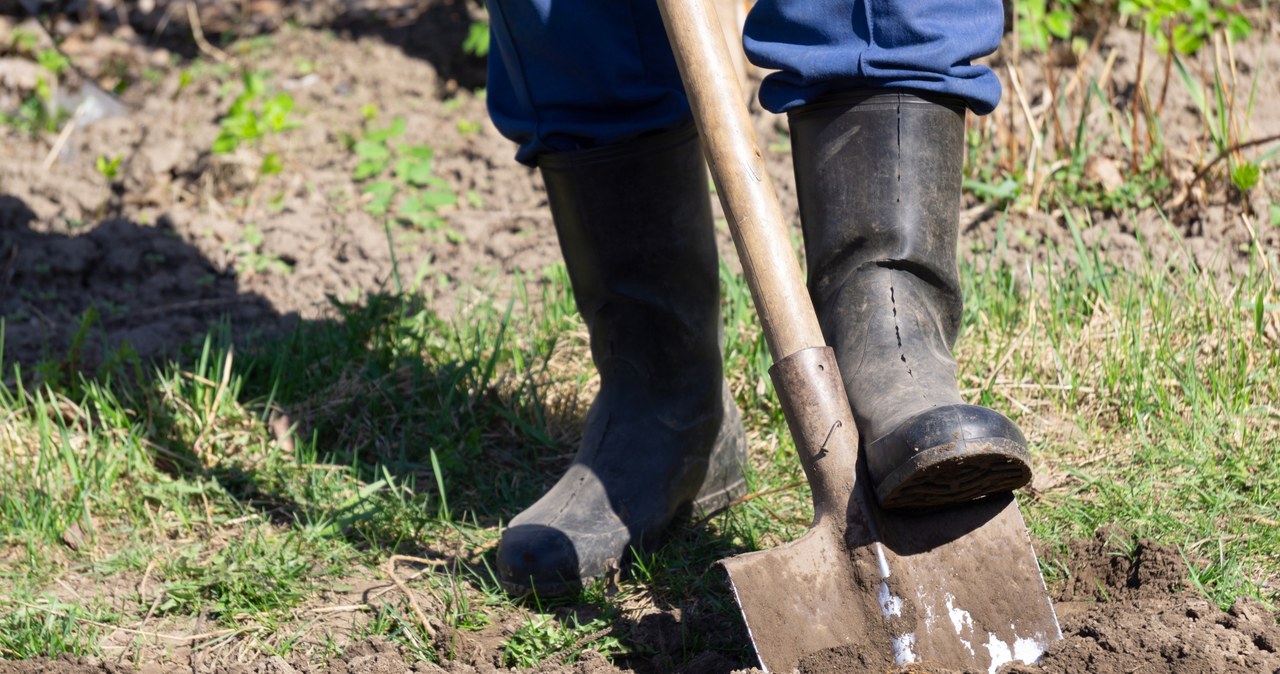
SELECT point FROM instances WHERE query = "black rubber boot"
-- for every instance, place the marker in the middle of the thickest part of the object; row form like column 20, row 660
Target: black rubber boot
column 662, row 436
column 878, row 177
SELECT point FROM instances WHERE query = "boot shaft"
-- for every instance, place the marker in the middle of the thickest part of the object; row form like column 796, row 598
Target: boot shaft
column 635, row 228
column 878, row 177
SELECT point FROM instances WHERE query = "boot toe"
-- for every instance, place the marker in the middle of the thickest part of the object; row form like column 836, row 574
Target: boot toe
column 946, row 456
column 538, row 557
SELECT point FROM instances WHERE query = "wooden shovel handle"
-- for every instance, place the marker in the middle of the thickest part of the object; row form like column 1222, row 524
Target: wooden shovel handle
column 737, row 166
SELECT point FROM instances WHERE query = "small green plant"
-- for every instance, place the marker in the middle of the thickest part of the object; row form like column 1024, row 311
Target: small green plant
column 1039, row 22
column 253, row 116
column 108, row 167
column 1245, row 176
column 253, row 119
column 543, row 636
column 1184, row 25
column 31, row 630
column 477, row 41
column 23, row 40
column 251, row 256
column 52, row 60
column 254, row 574
column 40, row 112
column 400, row 179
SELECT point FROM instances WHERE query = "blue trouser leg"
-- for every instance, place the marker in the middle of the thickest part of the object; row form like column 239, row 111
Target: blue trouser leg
column 575, row 74
column 819, row 46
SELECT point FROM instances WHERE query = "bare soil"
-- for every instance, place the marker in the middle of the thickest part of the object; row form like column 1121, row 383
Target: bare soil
column 183, row 239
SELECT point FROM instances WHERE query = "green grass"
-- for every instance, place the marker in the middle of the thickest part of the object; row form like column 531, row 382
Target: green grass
column 242, row 488
column 1149, row 396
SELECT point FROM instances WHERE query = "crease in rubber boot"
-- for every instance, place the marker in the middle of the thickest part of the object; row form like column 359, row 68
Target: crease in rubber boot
column 878, row 177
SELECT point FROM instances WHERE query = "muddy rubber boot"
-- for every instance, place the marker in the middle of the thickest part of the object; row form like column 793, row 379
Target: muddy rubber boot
column 878, row 178
column 663, row 436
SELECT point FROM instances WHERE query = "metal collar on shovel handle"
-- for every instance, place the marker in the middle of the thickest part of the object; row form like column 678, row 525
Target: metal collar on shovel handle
column 864, row 589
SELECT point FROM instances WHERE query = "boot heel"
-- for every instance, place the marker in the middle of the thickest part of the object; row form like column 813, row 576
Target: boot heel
column 724, row 481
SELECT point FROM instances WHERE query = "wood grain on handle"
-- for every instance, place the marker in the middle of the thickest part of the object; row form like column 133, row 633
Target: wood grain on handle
column 750, row 203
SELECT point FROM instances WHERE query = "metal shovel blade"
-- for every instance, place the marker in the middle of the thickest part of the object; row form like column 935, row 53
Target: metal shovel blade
column 868, row 589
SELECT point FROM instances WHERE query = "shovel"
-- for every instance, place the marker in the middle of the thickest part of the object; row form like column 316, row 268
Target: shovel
column 864, row 589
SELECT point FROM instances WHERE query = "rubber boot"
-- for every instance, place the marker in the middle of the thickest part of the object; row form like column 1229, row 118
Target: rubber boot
column 878, row 178
column 662, row 436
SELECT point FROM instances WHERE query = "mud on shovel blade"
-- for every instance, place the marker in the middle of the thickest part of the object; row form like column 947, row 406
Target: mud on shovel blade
column 864, row 589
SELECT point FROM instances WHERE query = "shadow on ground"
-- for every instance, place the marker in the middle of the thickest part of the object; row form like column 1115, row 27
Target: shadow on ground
column 119, row 298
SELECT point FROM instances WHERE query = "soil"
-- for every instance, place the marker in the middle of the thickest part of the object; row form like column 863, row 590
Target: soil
column 183, row 240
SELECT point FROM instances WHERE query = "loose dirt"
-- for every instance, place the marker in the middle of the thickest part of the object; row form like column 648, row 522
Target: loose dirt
column 1119, row 613
column 183, row 239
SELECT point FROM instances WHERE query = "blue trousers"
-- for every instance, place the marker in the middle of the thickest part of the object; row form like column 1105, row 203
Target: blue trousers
column 575, row 74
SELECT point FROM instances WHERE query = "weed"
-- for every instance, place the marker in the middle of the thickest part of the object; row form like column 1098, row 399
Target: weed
column 108, row 167
column 1038, row 22
column 251, row 117
column 249, row 251
column 40, row 112
column 544, row 637
column 1183, row 26
column 256, row 574
column 477, row 40
column 48, row 629
column 400, row 178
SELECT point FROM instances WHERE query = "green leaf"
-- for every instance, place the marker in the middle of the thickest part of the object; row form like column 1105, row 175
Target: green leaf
column 1238, row 26
column 1185, row 41
column 242, row 126
column 374, row 158
column 421, row 152
column 52, row 60
column 275, row 113
column 368, row 169
column 1194, row 89
column 272, row 165
column 382, row 192
column 477, row 41
column 435, row 199
column 383, row 135
column 254, row 84
column 109, row 167
column 420, row 208
column 414, row 171
column 1246, row 176
column 439, row 183
column 1008, row 189
column 1058, row 23
column 225, row 142
column 367, row 149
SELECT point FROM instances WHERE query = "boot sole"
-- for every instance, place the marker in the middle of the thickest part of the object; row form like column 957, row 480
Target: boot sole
column 948, row 475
